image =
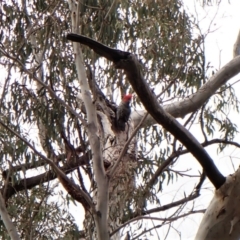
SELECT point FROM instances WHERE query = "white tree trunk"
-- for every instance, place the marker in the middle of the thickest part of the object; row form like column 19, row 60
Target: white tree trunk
column 11, row 229
column 122, row 182
column 221, row 220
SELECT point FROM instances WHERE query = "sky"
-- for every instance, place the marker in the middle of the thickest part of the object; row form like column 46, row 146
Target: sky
column 224, row 25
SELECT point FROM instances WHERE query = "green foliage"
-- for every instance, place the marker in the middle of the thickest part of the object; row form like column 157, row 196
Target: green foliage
column 38, row 218
column 159, row 32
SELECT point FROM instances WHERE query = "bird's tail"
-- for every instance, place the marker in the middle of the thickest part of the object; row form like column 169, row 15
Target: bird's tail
column 120, row 125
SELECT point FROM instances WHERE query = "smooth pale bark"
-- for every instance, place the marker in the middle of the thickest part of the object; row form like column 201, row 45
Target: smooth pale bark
column 11, row 229
column 222, row 218
column 236, row 47
column 101, row 214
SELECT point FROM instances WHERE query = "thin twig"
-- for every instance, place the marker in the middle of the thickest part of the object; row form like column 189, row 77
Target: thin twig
column 105, row 18
column 156, row 218
column 58, row 171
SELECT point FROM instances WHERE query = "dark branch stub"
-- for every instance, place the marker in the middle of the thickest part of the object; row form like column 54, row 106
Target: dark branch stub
column 111, row 54
column 131, row 66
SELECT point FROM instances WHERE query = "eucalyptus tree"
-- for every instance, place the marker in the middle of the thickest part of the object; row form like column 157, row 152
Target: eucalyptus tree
column 58, row 117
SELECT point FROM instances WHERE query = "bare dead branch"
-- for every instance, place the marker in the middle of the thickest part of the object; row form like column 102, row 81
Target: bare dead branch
column 31, row 182
column 157, row 219
column 129, row 63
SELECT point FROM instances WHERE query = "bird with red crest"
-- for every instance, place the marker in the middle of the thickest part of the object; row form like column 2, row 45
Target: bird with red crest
column 123, row 112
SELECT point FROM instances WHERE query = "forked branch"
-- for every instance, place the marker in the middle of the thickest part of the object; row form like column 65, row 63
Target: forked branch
column 129, row 63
